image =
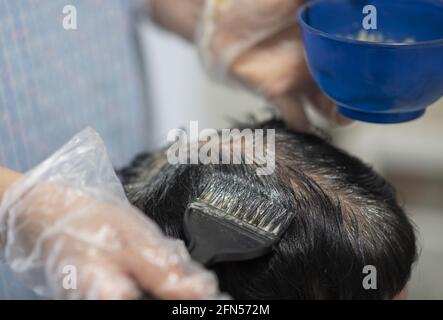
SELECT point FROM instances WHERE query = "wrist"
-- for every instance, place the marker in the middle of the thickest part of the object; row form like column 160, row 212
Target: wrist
column 7, row 178
column 180, row 17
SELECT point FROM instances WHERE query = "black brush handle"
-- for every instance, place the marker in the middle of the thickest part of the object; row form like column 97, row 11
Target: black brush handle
column 213, row 240
column 204, row 254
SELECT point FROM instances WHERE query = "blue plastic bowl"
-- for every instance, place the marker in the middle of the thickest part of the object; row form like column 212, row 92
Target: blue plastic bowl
column 376, row 82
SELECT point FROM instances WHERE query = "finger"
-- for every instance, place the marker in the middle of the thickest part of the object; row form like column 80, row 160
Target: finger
column 167, row 272
column 293, row 113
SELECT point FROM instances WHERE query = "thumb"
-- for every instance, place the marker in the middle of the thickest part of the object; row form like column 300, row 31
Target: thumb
column 167, row 272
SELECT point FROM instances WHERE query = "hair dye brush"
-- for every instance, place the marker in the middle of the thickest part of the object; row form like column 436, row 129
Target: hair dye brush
column 220, row 226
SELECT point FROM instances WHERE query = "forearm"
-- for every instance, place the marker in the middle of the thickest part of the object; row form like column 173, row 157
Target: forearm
column 179, row 16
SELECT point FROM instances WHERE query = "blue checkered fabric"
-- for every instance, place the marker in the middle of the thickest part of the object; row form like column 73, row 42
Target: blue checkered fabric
column 55, row 82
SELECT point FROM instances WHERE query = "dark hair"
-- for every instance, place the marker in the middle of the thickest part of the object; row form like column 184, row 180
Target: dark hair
column 347, row 217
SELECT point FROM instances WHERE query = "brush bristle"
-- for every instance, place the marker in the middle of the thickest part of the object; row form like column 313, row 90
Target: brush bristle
column 255, row 210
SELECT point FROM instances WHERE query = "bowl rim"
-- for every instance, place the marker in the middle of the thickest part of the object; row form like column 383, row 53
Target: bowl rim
column 396, row 45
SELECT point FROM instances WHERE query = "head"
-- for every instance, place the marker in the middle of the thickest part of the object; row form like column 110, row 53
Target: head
column 346, row 217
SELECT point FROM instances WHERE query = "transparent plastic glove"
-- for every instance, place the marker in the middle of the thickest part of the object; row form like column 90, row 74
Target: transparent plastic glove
column 258, row 43
column 68, row 231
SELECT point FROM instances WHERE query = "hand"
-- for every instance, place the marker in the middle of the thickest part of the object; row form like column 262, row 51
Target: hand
column 68, row 231
column 115, row 251
column 258, row 42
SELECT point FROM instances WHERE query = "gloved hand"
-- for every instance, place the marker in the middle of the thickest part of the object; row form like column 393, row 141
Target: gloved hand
column 258, row 43
column 68, row 231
